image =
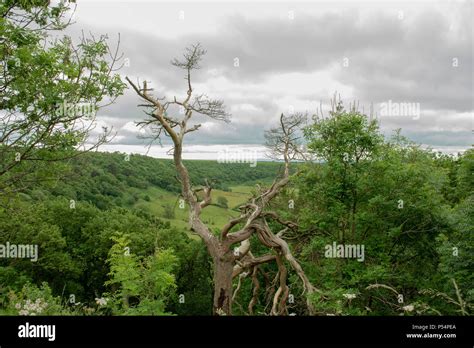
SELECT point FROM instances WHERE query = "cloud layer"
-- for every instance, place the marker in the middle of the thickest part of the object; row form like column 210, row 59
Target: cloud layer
column 264, row 59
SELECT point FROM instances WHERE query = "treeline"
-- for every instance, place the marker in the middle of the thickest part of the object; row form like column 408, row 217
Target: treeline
column 107, row 180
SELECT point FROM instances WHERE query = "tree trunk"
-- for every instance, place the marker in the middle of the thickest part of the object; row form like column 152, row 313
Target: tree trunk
column 223, row 268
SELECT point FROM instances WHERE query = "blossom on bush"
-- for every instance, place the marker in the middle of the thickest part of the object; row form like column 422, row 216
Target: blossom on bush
column 350, row 296
column 101, row 301
column 31, row 308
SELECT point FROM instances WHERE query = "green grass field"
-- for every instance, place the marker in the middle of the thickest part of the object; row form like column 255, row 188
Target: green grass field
column 165, row 204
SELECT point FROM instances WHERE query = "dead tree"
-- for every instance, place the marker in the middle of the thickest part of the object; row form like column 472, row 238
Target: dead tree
column 284, row 141
column 230, row 249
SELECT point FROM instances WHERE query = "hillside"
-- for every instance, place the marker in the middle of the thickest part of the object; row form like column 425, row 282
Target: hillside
column 108, row 180
column 76, row 219
column 115, row 179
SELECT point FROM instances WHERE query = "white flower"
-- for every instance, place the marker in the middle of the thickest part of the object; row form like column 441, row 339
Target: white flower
column 350, row 296
column 18, row 305
column 409, row 308
column 220, row 311
column 23, row 312
column 101, row 301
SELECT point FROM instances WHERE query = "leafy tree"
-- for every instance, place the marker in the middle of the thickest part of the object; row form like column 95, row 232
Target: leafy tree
column 346, row 141
column 396, row 189
column 50, row 91
column 149, row 283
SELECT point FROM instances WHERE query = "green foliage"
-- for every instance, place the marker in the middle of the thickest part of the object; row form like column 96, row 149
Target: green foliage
column 33, row 300
column 147, row 282
column 168, row 212
column 24, row 223
column 412, row 210
column 389, row 197
column 107, row 180
column 48, row 89
column 344, row 137
column 193, row 274
column 222, row 202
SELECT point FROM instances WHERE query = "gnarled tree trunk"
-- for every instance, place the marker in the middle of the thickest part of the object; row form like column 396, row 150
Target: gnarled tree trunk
column 223, row 268
column 229, row 263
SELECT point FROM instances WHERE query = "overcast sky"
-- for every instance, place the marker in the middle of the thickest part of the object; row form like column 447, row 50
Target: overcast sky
column 292, row 56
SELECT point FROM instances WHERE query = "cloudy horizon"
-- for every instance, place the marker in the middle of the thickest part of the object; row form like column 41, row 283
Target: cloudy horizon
column 412, row 61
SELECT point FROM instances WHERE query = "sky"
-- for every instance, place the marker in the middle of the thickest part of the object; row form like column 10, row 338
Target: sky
column 411, row 60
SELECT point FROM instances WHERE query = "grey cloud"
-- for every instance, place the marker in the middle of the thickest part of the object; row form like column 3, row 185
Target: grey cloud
column 441, row 138
column 407, row 60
